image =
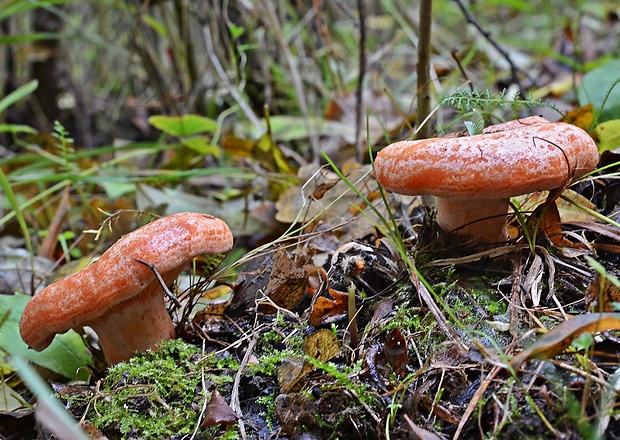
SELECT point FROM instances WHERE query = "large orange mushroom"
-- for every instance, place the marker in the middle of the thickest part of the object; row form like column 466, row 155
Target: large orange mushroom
column 473, row 177
column 119, row 296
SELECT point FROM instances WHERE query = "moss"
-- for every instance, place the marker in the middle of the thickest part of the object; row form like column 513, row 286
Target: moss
column 152, row 395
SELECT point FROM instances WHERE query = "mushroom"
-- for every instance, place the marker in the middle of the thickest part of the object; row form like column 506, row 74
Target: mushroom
column 118, row 295
column 474, row 177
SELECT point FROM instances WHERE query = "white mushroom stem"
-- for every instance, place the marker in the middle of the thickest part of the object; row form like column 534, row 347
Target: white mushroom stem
column 481, row 220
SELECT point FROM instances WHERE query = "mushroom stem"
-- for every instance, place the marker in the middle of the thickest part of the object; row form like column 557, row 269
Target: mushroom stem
column 147, row 311
column 482, row 220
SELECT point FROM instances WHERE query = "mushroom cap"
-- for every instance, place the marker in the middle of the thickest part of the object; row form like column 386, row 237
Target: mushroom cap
column 168, row 243
column 517, row 157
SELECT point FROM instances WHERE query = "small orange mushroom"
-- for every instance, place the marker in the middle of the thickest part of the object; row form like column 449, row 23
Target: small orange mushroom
column 473, row 177
column 118, row 296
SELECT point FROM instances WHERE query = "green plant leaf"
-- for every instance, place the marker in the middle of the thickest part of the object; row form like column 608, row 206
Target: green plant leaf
column 608, row 135
column 12, row 128
column 596, row 88
column 18, row 94
column 202, row 145
column 183, row 126
column 66, row 355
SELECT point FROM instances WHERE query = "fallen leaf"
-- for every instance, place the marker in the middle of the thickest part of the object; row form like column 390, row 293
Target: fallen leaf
column 218, row 411
column 582, row 117
column 8, row 401
column 66, row 355
column 395, row 349
column 322, row 345
column 560, row 337
column 325, row 308
column 601, row 294
column 287, row 283
column 607, row 135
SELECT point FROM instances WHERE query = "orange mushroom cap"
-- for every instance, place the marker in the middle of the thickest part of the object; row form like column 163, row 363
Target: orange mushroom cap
column 509, row 159
column 119, row 297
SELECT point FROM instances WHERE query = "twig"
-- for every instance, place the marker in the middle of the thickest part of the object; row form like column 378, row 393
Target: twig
column 245, row 108
column 361, row 10
column 53, row 231
column 475, row 399
column 275, row 26
column 423, row 68
column 235, row 404
column 441, row 320
column 162, row 283
column 514, row 70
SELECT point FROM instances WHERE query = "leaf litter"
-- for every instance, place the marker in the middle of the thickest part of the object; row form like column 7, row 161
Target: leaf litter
column 328, row 334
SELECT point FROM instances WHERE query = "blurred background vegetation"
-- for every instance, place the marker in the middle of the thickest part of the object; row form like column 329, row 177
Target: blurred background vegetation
column 103, row 67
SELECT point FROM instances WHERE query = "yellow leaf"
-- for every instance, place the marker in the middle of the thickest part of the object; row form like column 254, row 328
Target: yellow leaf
column 607, row 135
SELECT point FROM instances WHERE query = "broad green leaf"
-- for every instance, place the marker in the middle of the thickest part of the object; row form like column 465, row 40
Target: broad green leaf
column 183, row 126
column 66, row 355
column 600, row 87
column 202, row 145
column 608, row 135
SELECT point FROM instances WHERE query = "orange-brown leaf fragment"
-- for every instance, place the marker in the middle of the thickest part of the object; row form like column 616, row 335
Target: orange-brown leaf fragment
column 561, row 336
column 395, row 349
column 325, row 308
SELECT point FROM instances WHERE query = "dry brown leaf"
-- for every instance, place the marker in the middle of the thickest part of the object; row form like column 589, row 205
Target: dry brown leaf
column 395, row 349
column 218, row 411
column 601, row 294
column 287, row 282
column 561, row 336
column 582, row 117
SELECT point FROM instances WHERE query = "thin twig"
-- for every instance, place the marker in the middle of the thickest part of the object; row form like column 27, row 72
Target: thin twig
column 423, row 68
column 361, row 10
column 514, row 70
column 162, row 283
column 276, row 28
column 245, row 108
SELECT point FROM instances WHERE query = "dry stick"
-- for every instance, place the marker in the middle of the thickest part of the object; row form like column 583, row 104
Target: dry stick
column 430, row 303
column 235, row 404
column 53, row 231
column 245, row 108
column 361, row 10
column 476, row 398
column 423, row 67
column 487, row 35
column 161, row 282
column 515, row 293
column 276, row 28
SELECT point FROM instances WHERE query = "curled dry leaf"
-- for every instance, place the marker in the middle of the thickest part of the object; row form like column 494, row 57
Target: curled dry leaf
column 325, row 310
column 395, row 349
column 561, row 336
column 218, row 411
